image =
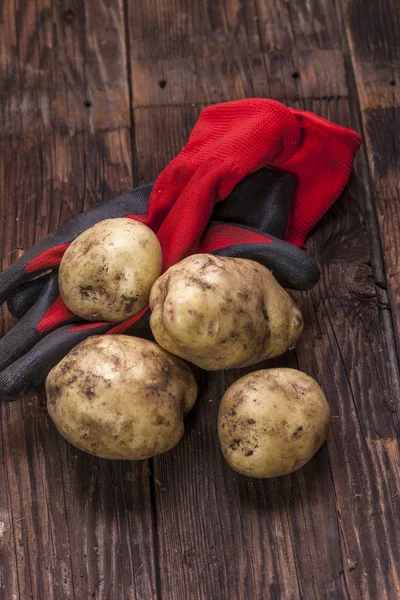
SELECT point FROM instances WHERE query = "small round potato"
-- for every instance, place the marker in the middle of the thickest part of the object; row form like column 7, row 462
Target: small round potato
column 107, row 272
column 272, row 422
column 220, row 313
column 120, row 397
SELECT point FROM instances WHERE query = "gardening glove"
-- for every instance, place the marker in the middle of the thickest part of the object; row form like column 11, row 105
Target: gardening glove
column 48, row 330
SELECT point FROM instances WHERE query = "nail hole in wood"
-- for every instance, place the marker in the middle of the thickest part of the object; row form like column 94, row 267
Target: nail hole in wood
column 87, row 103
column 295, row 75
column 392, row 82
column 162, row 83
column 69, row 15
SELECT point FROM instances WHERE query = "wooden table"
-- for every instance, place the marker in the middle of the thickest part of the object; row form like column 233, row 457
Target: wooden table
column 96, row 97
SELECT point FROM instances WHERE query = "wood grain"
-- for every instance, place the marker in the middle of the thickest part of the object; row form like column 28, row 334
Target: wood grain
column 375, row 57
column 96, row 97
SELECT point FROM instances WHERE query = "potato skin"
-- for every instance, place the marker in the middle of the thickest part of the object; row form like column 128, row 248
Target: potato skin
column 272, row 422
column 220, row 313
column 120, row 397
column 107, row 272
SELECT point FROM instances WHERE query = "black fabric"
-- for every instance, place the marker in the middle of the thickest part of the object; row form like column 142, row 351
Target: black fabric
column 261, row 200
column 292, row 267
column 24, row 335
column 260, row 203
column 21, row 299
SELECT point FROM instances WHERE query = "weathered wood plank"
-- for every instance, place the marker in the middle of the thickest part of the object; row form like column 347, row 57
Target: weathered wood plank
column 197, row 80
column 181, row 28
column 372, row 34
column 63, row 66
column 71, row 526
column 352, row 365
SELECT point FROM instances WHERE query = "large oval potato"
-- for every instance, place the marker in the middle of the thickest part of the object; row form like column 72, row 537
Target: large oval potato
column 272, row 422
column 120, row 397
column 107, row 272
column 220, row 313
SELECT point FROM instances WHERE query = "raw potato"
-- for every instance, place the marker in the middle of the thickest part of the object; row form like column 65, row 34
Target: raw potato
column 272, row 422
column 120, row 397
column 106, row 274
column 220, row 313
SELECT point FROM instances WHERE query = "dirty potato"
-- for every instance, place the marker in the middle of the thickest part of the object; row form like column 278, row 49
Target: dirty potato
column 220, row 313
column 272, row 422
column 120, row 397
column 106, row 273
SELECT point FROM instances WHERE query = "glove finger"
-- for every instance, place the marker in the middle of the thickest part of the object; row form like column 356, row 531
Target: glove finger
column 48, row 312
column 21, row 361
column 32, row 368
column 25, row 296
column 291, row 266
column 49, row 251
column 261, row 200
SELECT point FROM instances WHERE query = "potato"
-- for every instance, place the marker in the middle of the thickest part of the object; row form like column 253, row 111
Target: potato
column 120, row 397
column 272, row 422
column 220, row 313
column 107, row 272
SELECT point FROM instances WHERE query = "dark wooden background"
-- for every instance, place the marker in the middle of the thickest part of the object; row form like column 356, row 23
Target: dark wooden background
column 97, row 96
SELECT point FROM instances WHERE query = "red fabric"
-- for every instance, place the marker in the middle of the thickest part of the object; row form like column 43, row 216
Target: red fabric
column 233, row 139
column 223, row 236
column 88, row 326
column 124, row 325
column 57, row 314
column 49, row 258
column 322, row 165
